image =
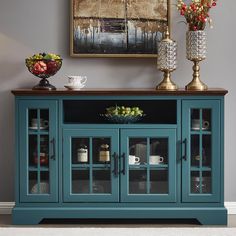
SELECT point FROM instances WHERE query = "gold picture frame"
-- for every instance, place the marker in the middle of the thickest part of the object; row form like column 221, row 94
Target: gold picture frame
column 94, row 36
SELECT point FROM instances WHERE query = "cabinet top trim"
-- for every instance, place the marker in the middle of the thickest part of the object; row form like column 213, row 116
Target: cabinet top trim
column 143, row 92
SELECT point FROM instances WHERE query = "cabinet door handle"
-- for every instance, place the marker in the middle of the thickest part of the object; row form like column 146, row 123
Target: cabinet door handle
column 53, row 156
column 185, row 149
column 123, row 157
column 115, row 171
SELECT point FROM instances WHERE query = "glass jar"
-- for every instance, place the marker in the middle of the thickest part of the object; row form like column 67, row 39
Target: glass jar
column 104, row 153
column 82, row 153
column 142, row 183
column 43, row 155
column 196, row 185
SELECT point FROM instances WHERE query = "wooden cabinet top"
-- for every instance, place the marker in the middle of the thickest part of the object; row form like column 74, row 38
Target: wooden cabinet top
column 110, row 92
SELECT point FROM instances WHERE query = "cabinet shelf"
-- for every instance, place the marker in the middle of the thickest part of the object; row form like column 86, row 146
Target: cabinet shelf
column 204, row 168
column 206, row 132
column 35, row 132
column 143, row 167
column 35, row 168
column 94, row 166
column 77, row 112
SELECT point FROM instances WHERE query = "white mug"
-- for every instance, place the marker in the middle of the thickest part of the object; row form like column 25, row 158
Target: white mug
column 43, row 123
column 154, row 160
column 196, row 124
column 77, row 80
column 133, row 160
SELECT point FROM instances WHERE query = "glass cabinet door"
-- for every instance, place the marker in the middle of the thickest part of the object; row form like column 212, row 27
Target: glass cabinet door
column 148, row 165
column 38, row 154
column 90, row 165
column 201, row 151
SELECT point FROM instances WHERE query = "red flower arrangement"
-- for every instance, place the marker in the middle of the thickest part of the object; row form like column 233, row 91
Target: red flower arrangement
column 196, row 13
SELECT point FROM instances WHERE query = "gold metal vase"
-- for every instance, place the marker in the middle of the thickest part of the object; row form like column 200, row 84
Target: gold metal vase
column 196, row 50
column 167, row 62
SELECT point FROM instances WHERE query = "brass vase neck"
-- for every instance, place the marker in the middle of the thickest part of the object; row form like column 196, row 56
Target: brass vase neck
column 196, row 83
column 196, row 71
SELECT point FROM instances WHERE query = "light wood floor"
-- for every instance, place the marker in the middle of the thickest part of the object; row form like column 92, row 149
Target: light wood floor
column 5, row 221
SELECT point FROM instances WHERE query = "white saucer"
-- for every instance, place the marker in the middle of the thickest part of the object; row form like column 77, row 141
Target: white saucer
column 197, row 128
column 73, row 87
column 35, row 128
column 135, row 164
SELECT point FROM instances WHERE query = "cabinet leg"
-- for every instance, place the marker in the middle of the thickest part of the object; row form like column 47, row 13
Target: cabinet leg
column 25, row 218
column 209, row 219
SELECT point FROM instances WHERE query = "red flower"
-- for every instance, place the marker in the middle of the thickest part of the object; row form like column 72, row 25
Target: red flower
column 214, row 4
column 193, row 7
column 184, row 7
column 196, row 12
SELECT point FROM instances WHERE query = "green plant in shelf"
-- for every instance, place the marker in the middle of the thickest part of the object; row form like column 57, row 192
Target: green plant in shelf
column 122, row 114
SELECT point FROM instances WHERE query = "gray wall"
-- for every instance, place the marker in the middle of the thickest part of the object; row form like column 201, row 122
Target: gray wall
column 29, row 26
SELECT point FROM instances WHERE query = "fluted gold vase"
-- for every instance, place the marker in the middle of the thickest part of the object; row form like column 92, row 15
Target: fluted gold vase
column 196, row 49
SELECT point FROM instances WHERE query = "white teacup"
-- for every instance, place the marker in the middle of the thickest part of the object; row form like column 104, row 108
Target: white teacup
column 78, row 81
column 133, row 160
column 155, row 160
column 43, row 123
column 196, row 124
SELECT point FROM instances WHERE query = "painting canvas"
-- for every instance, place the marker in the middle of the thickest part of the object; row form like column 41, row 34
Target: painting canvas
column 117, row 28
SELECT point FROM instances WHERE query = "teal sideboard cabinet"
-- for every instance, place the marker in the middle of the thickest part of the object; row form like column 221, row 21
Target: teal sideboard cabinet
column 72, row 163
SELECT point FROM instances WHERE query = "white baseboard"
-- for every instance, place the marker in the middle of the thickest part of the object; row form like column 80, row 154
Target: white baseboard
column 231, row 207
column 6, row 207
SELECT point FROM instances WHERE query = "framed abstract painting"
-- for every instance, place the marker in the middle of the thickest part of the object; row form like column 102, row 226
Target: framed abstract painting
column 117, row 28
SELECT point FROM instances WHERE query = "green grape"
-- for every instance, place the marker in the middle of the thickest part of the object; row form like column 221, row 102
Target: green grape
column 124, row 111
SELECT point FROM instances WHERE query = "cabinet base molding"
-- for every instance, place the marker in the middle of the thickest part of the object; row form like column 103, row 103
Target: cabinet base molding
column 34, row 215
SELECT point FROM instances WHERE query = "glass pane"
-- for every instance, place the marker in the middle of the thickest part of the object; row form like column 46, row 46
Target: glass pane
column 44, row 119
column 137, row 151
column 207, row 155
column 33, row 119
column 206, row 182
column 206, row 117
column 44, row 151
column 101, row 150
column 195, row 182
column 158, row 151
column 44, row 182
column 195, row 119
column 38, row 119
column 137, row 181
column 101, row 181
column 33, row 150
column 41, row 187
column 80, row 181
column 159, row 181
column 33, row 180
column 195, row 154
column 80, row 150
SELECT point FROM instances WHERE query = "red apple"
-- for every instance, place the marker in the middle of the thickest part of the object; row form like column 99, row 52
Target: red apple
column 52, row 67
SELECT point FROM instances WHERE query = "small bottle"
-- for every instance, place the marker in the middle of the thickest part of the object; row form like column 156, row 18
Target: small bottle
column 104, row 153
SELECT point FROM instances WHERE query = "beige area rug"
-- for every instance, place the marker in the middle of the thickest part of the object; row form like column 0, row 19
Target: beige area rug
column 23, row 231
